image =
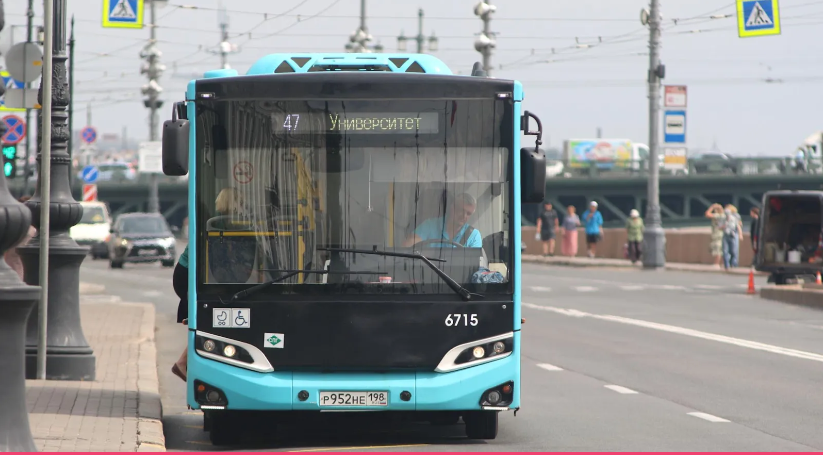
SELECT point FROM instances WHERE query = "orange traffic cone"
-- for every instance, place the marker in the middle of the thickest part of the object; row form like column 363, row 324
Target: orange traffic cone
column 751, row 289
column 818, row 280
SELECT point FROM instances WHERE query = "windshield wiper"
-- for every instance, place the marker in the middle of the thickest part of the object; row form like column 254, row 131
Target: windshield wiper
column 290, row 273
column 460, row 290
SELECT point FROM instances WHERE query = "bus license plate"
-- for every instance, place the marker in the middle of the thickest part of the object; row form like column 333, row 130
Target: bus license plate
column 354, row 399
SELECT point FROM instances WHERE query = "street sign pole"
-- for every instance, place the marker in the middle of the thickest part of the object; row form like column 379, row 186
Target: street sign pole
column 45, row 189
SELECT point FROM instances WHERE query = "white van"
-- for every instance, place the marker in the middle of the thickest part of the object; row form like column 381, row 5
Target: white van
column 94, row 228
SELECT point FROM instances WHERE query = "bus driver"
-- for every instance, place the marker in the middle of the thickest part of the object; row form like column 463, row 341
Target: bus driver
column 454, row 227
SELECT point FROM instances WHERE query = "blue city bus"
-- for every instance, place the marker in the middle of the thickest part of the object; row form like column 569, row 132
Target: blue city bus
column 352, row 224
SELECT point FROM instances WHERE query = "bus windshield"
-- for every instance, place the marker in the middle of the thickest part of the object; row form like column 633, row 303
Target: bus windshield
column 280, row 183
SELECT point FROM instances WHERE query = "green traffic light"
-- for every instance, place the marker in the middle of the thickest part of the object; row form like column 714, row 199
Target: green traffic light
column 7, row 169
column 10, row 152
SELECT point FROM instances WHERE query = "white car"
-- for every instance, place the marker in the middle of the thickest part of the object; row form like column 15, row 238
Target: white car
column 93, row 229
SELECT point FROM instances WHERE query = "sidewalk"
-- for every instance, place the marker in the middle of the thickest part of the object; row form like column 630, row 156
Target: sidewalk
column 118, row 412
column 623, row 263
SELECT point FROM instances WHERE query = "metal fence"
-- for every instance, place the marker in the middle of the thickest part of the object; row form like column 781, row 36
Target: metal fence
column 639, row 169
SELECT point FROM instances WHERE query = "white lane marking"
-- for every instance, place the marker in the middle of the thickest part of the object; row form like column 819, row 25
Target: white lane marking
column 152, row 293
column 584, row 289
column 669, row 287
column 540, row 289
column 709, row 417
column 632, row 288
column 683, row 331
column 548, row 367
column 620, row 389
column 708, row 286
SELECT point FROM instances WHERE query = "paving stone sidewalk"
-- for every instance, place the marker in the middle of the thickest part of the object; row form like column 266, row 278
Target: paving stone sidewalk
column 120, row 410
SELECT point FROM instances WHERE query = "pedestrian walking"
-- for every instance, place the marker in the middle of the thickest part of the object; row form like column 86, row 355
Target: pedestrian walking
column 547, row 225
column 593, row 220
column 634, row 231
column 732, row 233
column 716, row 215
column 569, row 231
column 754, row 229
column 11, row 256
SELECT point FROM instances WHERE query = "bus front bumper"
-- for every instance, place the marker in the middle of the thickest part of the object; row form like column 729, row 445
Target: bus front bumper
column 243, row 389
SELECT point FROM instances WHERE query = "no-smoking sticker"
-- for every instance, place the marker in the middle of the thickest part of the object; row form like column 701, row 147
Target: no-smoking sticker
column 243, row 172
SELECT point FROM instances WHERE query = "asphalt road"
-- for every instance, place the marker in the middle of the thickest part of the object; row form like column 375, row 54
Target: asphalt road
column 613, row 360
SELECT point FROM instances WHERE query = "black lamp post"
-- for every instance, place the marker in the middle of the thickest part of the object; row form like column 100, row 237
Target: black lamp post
column 68, row 354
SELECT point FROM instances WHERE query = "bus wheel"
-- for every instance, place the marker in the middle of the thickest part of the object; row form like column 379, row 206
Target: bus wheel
column 224, row 430
column 481, row 424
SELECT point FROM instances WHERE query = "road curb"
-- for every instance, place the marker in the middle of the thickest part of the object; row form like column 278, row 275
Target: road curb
column 91, row 289
column 150, row 436
column 793, row 294
column 616, row 263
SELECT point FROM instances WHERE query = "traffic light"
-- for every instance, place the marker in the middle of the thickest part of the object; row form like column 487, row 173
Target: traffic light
column 10, row 160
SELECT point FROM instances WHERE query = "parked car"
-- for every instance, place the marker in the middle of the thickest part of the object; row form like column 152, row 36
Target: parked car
column 141, row 238
column 93, row 229
column 713, row 163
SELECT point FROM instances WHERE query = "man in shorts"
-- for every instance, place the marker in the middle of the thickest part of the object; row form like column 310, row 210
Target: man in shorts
column 547, row 225
column 593, row 220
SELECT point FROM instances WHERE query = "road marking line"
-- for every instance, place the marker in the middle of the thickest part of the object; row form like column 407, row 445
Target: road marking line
column 683, row 331
column 669, row 287
column 328, row 449
column 620, row 389
column 584, row 289
column 709, row 417
column 152, row 293
column 548, row 367
column 540, row 289
column 708, row 286
column 632, row 288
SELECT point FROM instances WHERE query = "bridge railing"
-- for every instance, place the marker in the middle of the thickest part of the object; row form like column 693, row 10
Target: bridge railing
column 640, row 169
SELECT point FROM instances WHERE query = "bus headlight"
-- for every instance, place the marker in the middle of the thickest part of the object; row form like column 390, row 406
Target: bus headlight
column 499, row 347
column 208, row 345
column 229, row 350
column 478, row 352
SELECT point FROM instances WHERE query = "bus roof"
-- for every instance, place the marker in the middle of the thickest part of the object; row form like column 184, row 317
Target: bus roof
column 307, row 63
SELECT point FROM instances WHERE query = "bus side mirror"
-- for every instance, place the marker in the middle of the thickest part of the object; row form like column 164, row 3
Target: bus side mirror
column 532, row 164
column 176, row 142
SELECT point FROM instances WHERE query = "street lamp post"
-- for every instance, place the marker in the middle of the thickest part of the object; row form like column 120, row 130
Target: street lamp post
column 485, row 42
column 67, row 354
column 401, row 40
column 360, row 39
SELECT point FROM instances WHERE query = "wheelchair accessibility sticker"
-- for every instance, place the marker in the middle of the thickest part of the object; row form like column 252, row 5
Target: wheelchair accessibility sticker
column 231, row 318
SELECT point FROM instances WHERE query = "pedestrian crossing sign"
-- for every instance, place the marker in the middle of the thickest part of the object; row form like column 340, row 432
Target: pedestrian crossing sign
column 757, row 18
column 123, row 13
column 10, row 83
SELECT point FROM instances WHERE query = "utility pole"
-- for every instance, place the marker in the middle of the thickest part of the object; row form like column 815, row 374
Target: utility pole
column 71, row 103
column 401, row 40
column 153, row 70
column 29, row 38
column 485, row 42
column 360, row 39
column 654, row 238
column 225, row 48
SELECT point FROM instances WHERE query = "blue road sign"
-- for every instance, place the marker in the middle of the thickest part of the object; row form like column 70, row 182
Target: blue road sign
column 10, row 83
column 15, row 129
column 758, row 18
column 88, row 134
column 123, row 13
column 91, row 174
column 674, row 127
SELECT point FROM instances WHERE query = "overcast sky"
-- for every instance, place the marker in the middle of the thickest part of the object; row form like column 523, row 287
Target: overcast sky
column 574, row 90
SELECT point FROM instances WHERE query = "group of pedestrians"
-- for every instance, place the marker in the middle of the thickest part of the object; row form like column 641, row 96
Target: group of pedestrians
column 549, row 225
column 727, row 231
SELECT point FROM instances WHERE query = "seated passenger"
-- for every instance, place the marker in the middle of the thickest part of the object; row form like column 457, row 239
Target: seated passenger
column 453, row 227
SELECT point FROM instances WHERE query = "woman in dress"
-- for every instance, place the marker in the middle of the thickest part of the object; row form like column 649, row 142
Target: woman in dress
column 570, row 224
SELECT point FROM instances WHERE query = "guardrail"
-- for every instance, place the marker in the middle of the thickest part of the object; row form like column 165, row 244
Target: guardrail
column 639, row 169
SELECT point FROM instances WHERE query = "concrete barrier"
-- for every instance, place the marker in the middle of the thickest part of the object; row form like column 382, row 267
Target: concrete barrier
column 685, row 246
column 796, row 294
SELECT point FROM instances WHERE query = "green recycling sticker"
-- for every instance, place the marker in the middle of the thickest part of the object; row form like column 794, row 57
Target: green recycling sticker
column 274, row 340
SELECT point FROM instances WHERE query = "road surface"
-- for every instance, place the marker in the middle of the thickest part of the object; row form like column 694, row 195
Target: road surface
column 613, row 360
